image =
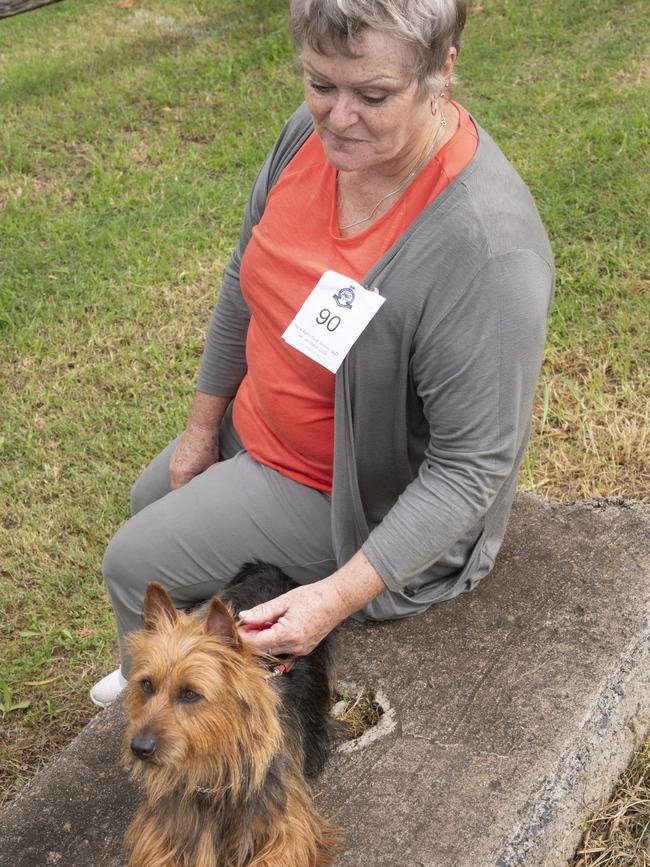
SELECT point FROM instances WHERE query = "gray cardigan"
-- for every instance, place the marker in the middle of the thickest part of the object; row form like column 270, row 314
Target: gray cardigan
column 433, row 402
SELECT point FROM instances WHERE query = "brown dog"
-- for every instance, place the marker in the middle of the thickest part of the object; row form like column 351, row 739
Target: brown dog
column 221, row 745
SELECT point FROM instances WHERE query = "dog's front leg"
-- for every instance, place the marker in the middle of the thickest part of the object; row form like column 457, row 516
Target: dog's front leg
column 146, row 844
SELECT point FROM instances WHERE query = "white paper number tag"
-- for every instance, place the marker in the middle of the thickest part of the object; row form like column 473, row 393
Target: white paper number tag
column 331, row 319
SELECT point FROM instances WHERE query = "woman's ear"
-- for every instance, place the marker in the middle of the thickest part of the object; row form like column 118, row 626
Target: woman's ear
column 448, row 68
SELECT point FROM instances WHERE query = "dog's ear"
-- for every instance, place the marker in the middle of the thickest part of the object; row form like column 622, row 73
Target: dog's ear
column 158, row 607
column 221, row 623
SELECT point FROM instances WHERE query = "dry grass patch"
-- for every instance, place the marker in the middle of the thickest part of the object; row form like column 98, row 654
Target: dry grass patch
column 637, row 75
column 619, row 834
column 591, row 431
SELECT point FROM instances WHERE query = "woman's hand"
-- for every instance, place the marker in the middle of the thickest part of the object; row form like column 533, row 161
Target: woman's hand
column 301, row 618
column 198, row 447
column 197, row 450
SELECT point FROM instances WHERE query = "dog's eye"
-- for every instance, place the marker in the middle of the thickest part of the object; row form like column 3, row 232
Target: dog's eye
column 189, row 695
column 147, row 686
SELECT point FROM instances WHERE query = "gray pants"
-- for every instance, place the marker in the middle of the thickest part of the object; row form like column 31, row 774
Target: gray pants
column 193, row 540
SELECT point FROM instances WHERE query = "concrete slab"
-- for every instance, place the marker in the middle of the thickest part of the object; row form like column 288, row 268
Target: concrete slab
column 511, row 710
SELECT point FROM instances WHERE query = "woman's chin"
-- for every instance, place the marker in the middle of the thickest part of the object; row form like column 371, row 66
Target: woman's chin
column 344, row 160
column 346, row 156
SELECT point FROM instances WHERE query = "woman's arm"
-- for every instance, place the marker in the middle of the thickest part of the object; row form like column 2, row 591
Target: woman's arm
column 475, row 371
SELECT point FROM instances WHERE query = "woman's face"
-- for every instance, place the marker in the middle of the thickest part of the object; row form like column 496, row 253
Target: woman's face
column 367, row 110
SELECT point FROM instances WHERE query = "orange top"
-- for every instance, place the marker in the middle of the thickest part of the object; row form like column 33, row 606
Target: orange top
column 284, row 408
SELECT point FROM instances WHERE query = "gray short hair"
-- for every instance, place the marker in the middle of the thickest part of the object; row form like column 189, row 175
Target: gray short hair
column 429, row 27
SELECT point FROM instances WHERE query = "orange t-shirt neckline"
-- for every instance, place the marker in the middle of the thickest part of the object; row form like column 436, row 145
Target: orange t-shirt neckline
column 284, row 408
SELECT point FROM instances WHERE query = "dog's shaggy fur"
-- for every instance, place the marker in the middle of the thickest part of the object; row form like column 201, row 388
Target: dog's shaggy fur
column 221, row 747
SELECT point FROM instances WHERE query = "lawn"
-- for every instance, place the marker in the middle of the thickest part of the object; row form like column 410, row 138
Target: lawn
column 130, row 136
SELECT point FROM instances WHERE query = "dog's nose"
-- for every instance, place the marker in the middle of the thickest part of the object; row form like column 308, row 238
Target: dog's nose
column 143, row 745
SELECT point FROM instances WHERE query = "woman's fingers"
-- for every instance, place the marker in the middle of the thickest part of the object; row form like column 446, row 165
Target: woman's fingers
column 260, row 625
column 265, row 613
column 292, row 623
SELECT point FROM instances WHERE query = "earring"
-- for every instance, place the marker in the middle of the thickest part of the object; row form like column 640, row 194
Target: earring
column 443, row 119
column 434, row 112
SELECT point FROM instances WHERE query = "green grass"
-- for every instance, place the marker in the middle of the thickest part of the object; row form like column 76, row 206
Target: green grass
column 128, row 143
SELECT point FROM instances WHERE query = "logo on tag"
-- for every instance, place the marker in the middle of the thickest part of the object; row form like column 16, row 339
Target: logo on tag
column 345, row 297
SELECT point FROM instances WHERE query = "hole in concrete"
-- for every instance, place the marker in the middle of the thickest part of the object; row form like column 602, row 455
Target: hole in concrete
column 364, row 715
column 356, row 712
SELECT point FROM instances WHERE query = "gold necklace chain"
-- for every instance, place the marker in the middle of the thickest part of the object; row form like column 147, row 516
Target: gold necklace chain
column 420, row 164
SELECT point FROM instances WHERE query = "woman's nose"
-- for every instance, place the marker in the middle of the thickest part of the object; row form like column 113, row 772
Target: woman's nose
column 343, row 113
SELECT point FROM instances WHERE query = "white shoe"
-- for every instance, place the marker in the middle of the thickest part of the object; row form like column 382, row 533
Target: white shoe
column 105, row 691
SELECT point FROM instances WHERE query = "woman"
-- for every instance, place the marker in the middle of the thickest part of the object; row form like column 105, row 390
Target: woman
column 386, row 486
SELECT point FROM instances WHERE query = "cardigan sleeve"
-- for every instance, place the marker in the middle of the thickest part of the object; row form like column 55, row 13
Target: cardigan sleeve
column 475, row 373
column 223, row 363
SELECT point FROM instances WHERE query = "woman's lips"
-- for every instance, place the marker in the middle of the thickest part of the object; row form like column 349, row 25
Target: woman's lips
column 342, row 139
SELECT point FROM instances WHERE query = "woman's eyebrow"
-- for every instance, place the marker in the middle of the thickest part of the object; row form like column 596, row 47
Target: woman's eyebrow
column 364, row 83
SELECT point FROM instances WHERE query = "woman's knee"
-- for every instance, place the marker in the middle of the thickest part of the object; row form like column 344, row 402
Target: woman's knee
column 112, row 564
column 140, row 495
column 154, row 482
column 121, row 558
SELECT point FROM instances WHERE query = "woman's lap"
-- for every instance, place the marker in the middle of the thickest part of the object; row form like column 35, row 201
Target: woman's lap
column 236, row 510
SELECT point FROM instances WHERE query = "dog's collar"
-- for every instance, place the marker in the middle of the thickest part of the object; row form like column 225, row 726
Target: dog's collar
column 278, row 668
column 283, row 667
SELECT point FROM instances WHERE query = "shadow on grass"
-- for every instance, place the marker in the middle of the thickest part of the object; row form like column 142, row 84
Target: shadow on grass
column 40, row 80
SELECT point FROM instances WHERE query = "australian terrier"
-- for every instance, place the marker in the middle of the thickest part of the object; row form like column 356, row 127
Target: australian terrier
column 221, row 744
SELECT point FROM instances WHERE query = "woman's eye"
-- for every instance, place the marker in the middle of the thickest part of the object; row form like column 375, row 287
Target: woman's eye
column 189, row 695
column 373, row 100
column 320, row 88
column 147, row 686
column 328, row 88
